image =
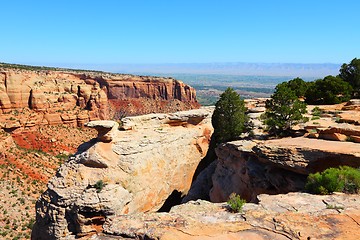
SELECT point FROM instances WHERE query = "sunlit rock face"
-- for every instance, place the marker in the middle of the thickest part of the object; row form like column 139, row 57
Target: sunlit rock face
column 75, row 97
column 123, row 172
column 250, row 168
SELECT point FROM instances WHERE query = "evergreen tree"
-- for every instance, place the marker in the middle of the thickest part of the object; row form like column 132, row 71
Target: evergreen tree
column 330, row 90
column 351, row 74
column 283, row 111
column 298, row 85
column 229, row 119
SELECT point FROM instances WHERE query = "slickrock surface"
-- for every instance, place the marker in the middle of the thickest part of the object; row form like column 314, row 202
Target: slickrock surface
column 289, row 216
column 129, row 172
column 339, row 122
column 29, row 97
column 275, row 166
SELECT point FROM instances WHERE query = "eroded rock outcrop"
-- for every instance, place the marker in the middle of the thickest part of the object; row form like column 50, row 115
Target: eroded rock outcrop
column 123, row 172
column 250, row 168
column 29, row 97
column 288, row 216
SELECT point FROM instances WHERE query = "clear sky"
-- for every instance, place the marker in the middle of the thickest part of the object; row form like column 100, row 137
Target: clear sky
column 179, row 31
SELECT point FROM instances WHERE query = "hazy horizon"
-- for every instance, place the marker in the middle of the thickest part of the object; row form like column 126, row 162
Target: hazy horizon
column 304, row 70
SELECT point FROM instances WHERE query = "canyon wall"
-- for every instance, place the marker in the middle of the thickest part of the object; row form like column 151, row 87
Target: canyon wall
column 30, row 97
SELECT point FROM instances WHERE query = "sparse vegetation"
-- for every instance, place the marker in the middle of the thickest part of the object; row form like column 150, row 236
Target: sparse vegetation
column 26, row 167
column 99, row 185
column 316, row 111
column 62, row 156
column 343, row 179
column 235, row 202
column 43, row 68
column 336, row 207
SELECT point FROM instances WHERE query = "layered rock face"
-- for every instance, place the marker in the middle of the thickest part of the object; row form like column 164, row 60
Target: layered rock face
column 123, row 172
column 57, row 97
column 250, row 168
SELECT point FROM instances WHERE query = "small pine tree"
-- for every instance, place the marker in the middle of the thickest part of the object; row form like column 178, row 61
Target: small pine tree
column 229, row 119
column 283, row 111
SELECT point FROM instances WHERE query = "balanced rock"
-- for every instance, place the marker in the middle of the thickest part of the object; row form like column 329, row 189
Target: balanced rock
column 122, row 172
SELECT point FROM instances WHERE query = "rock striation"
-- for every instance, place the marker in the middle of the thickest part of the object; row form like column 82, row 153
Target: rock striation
column 30, row 97
column 123, row 172
column 284, row 216
column 250, row 168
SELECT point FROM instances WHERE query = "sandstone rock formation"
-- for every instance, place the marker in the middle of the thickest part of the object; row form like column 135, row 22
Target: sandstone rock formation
column 339, row 122
column 29, row 97
column 123, row 172
column 289, row 216
column 275, row 166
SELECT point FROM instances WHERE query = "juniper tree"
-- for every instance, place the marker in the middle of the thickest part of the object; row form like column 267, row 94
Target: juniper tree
column 283, row 111
column 229, row 118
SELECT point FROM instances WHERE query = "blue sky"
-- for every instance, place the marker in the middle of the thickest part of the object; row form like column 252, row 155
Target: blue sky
column 179, row 31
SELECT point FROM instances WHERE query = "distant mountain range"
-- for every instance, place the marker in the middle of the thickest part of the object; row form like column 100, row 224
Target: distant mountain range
column 260, row 69
column 303, row 70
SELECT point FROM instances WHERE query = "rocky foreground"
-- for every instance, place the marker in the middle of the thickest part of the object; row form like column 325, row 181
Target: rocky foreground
column 285, row 216
column 114, row 185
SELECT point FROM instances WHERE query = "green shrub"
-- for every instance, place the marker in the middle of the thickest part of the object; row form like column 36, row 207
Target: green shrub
column 336, row 207
column 62, row 156
column 343, row 179
column 235, row 202
column 30, row 224
column 99, row 185
column 316, row 111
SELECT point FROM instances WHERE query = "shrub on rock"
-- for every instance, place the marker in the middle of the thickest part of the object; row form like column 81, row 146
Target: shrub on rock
column 343, row 179
column 235, row 202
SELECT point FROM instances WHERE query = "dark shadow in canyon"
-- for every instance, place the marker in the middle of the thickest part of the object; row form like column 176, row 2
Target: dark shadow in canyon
column 174, row 199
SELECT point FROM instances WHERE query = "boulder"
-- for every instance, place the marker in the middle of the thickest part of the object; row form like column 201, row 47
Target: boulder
column 352, row 117
column 53, row 118
column 353, row 104
column 333, row 136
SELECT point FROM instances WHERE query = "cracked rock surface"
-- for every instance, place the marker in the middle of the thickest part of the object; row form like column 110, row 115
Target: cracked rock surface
column 284, row 216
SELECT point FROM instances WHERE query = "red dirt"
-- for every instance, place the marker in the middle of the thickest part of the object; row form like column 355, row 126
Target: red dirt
column 33, row 140
column 26, row 169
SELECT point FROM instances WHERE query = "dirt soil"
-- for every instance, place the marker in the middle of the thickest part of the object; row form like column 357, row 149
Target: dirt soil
column 27, row 160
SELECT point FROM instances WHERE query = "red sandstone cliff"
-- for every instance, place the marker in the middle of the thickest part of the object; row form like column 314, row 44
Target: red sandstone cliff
column 30, row 97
